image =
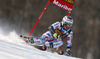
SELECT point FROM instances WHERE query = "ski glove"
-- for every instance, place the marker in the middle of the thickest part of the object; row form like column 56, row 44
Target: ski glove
column 68, row 52
column 56, row 36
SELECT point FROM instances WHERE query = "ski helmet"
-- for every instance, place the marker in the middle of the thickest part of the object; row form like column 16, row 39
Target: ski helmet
column 67, row 21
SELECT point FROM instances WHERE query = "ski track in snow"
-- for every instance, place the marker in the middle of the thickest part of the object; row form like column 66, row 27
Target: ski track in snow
column 11, row 47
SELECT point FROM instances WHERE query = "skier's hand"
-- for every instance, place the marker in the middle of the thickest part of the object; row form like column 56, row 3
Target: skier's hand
column 68, row 50
column 55, row 35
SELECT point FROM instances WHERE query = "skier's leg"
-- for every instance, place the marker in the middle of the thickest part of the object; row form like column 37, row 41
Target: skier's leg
column 50, row 41
column 35, row 40
column 54, row 43
column 57, row 44
column 45, row 37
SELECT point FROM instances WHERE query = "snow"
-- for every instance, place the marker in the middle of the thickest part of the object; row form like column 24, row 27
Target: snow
column 11, row 47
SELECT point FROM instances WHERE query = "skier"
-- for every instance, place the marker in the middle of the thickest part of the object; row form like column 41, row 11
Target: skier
column 57, row 31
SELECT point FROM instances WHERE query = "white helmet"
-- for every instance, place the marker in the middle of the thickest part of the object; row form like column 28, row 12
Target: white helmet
column 67, row 21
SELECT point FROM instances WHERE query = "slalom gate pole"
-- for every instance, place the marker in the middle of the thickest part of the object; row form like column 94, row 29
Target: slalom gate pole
column 69, row 13
column 39, row 18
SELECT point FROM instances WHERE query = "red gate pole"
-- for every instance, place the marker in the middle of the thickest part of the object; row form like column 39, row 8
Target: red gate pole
column 69, row 13
column 39, row 18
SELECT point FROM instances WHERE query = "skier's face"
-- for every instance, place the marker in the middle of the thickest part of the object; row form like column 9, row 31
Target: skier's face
column 65, row 27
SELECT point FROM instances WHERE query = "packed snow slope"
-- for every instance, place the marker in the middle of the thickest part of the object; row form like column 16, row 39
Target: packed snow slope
column 11, row 47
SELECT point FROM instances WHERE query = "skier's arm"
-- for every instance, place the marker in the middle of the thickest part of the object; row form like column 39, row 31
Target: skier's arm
column 69, row 40
column 53, row 27
column 53, row 31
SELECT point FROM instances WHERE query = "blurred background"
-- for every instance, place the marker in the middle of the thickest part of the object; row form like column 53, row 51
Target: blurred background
column 21, row 15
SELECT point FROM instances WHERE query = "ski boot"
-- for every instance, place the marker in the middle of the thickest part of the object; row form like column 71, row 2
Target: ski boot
column 29, row 40
column 49, row 44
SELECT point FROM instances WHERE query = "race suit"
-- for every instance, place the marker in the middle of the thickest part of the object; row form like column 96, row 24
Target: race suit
column 48, row 36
